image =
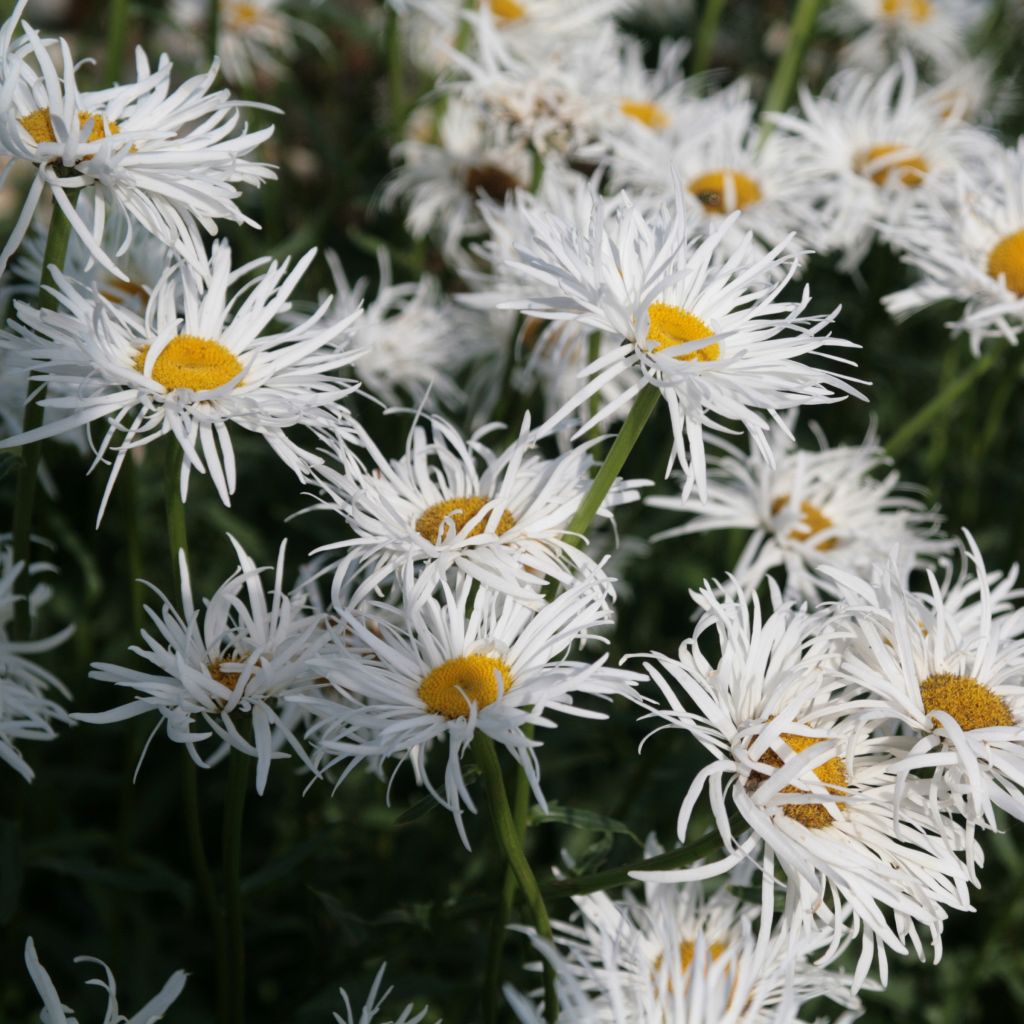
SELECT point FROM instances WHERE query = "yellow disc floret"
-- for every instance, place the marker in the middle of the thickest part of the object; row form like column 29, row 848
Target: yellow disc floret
column 1007, row 260
column 450, row 688
column 510, row 10
column 459, row 511
column 914, row 10
column 190, row 362
column 646, row 112
column 671, row 326
column 972, row 704
column 228, row 679
column 40, row 126
column 813, row 521
column 724, row 191
column 877, row 163
column 687, row 949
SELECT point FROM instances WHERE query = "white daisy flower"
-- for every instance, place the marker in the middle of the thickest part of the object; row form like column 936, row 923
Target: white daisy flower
column 808, row 509
column 710, row 332
column 199, row 359
column 452, row 503
column 815, row 792
column 55, row 1012
column 169, row 160
column 947, row 664
column 872, row 146
column 223, row 671
column 28, row 711
column 677, row 957
column 453, row 666
column 374, row 1003
column 969, row 248
column 256, row 39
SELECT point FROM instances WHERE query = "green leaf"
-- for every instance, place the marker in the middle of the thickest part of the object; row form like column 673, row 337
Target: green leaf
column 575, row 817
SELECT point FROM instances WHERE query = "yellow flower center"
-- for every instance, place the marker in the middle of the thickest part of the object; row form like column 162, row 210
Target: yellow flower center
column 190, row 362
column 40, row 126
column 228, row 679
column 120, row 292
column 494, row 182
column 671, row 326
column 972, row 704
column 510, row 10
column 450, row 688
column 459, row 511
column 713, row 188
column 876, row 163
column 813, row 521
column 1007, row 259
column 915, row 10
column 643, row 110
column 832, row 773
column 687, row 948
column 240, row 16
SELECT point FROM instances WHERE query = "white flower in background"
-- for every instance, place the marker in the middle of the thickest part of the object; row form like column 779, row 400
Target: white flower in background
column 222, row 671
column 969, row 247
column 198, row 360
column 973, row 92
column 872, row 146
column 27, row 709
column 55, row 1012
column 947, row 663
column 815, row 792
column 709, row 331
column 719, row 154
column 374, row 1003
column 168, row 160
column 451, row 666
column 256, row 39
column 677, row 957
column 808, row 509
column 451, row 502
column 935, row 31
column 413, row 341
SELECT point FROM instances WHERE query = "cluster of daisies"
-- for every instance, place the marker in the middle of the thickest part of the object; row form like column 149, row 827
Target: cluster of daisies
column 621, row 242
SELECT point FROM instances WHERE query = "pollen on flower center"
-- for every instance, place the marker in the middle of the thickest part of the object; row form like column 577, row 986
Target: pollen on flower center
column 915, row 10
column 472, row 678
column 1007, row 259
column 459, row 511
column 813, row 521
column 687, row 948
column 239, row 16
column 972, row 704
column 190, row 362
column 671, row 326
column 646, row 112
column 494, row 182
column 724, row 191
column 880, row 165
column 40, row 126
column 228, row 679
column 509, row 10
column 832, row 773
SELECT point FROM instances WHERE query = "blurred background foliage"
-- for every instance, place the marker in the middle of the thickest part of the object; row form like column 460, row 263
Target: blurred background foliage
column 336, row 883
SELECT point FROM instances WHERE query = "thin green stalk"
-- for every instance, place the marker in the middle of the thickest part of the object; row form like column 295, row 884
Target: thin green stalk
column 177, row 531
column 234, row 815
column 396, row 71
column 704, row 44
column 801, row 31
column 28, row 467
column 943, row 401
column 117, row 30
column 508, row 837
column 213, row 28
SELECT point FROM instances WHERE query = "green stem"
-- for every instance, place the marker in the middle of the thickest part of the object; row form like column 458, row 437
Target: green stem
column 28, row 466
column 234, row 814
column 396, row 71
column 508, row 837
column 213, row 28
column 177, row 531
column 706, row 32
column 943, row 401
column 117, row 25
column 801, row 31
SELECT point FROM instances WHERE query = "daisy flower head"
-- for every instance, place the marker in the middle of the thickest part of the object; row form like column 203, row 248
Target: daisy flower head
column 449, row 667
column 806, row 509
column 946, row 664
column 222, row 670
column 453, row 503
column 55, row 1012
column 168, row 160
column 968, row 246
column 202, row 356
column 28, row 711
column 678, row 957
column 813, row 789
column 375, row 1000
column 872, row 146
column 708, row 329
